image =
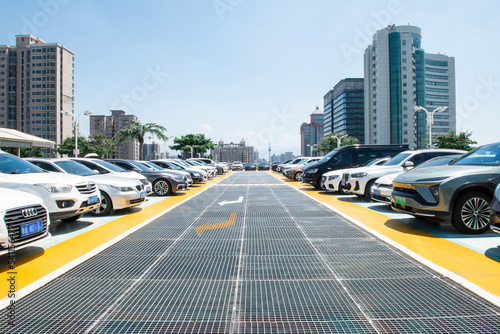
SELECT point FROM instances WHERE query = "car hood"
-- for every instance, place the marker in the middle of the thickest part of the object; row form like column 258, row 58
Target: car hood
column 313, row 165
column 387, row 179
column 48, row 177
column 337, row 172
column 440, row 173
column 382, row 170
column 113, row 180
column 13, row 198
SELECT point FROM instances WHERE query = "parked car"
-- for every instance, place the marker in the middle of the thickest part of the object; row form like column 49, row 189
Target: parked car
column 360, row 180
column 263, row 166
column 495, row 211
column 382, row 189
column 116, row 192
column 295, row 171
column 295, row 162
column 24, row 218
column 67, row 197
column 104, row 167
column 211, row 170
column 183, row 173
column 348, row 156
column 280, row 166
column 330, row 181
column 221, row 168
column 275, row 165
column 250, row 166
column 197, row 175
column 460, row 192
column 237, row 165
column 164, row 182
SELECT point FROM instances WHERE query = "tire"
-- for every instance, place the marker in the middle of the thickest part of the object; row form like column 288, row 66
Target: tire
column 471, row 213
column 369, row 186
column 106, row 206
column 162, row 187
column 298, row 176
column 72, row 219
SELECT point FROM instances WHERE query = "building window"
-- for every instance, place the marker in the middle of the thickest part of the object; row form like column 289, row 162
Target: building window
column 403, row 42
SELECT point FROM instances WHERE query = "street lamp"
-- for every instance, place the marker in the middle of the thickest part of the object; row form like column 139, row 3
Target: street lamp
column 313, row 147
column 339, row 139
column 76, row 124
column 430, row 118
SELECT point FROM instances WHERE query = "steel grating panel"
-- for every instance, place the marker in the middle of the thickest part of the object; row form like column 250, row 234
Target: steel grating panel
column 269, row 233
column 405, row 298
column 277, row 247
column 161, row 327
column 451, row 324
column 270, row 222
column 296, row 301
column 227, row 233
column 141, row 246
column 334, row 232
column 366, row 246
column 206, row 247
column 285, row 268
column 195, row 268
column 330, row 327
column 148, row 232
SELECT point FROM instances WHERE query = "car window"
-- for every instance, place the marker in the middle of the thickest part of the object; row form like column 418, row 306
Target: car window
column 487, row 155
column 342, row 158
column 123, row 165
column 10, row 164
column 418, row 158
column 48, row 167
column 141, row 166
column 73, row 167
column 112, row 167
column 94, row 166
column 440, row 161
column 397, row 159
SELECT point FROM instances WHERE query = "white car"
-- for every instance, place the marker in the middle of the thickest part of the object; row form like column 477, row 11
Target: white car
column 197, row 175
column 382, row 189
column 67, row 197
column 104, row 167
column 295, row 162
column 116, row 192
column 330, row 181
column 360, row 180
column 24, row 218
column 237, row 165
column 183, row 173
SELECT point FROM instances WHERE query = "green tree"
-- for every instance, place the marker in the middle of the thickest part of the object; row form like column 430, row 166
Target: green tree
column 26, row 152
column 329, row 143
column 137, row 131
column 197, row 142
column 461, row 141
column 68, row 145
column 101, row 145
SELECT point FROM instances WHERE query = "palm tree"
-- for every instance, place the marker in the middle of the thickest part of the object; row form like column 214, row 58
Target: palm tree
column 137, row 131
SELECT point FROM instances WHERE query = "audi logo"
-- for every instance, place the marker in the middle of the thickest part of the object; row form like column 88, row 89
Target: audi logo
column 28, row 213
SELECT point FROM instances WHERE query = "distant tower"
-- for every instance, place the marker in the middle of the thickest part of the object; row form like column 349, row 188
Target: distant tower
column 269, row 149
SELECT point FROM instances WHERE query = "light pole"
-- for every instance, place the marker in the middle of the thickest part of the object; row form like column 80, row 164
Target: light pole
column 76, row 124
column 339, row 139
column 313, row 147
column 430, row 118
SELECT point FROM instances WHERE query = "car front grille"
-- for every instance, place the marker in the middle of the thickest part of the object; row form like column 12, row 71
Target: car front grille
column 14, row 219
column 87, row 188
column 345, row 176
column 405, row 190
column 139, row 187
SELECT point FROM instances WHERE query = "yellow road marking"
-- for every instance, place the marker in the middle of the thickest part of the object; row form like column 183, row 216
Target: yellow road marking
column 41, row 264
column 475, row 267
column 206, row 227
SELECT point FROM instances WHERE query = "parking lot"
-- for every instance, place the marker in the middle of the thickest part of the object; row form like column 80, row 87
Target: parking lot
column 255, row 254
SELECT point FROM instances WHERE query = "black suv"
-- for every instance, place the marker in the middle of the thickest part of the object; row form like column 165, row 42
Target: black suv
column 347, row 157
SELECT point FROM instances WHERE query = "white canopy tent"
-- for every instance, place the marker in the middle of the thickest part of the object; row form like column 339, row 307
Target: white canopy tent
column 19, row 140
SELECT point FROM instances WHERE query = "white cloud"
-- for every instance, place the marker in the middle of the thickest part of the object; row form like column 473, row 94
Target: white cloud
column 205, row 129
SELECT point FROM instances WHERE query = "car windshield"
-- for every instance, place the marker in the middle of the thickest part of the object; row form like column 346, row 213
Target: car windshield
column 141, row 166
column 152, row 165
column 329, row 155
column 398, row 159
column 10, row 164
column 487, row 155
column 173, row 165
column 374, row 162
column 111, row 166
column 439, row 161
column 73, row 167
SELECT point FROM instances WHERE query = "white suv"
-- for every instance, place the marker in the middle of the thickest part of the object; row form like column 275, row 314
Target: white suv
column 67, row 197
column 23, row 217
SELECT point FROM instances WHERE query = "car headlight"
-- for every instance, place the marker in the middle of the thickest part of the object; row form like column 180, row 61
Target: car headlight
column 362, row 174
column 122, row 188
column 197, row 174
column 435, row 191
column 178, row 179
column 332, row 177
column 55, row 188
column 497, row 193
column 312, row 171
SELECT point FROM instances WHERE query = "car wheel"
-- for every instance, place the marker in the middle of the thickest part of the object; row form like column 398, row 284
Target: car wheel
column 344, row 191
column 72, row 219
column 369, row 186
column 106, row 206
column 162, row 187
column 298, row 176
column 471, row 213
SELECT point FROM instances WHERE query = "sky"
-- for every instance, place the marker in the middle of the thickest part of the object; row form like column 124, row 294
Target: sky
column 251, row 69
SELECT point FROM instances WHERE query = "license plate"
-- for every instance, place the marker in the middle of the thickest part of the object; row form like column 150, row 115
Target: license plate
column 399, row 200
column 143, row 194
column 93, row 199
column 31, row 228
column 148, row 189
column 376, row 192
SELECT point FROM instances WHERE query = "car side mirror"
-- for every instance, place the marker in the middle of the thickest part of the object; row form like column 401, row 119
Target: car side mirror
column 409, row 164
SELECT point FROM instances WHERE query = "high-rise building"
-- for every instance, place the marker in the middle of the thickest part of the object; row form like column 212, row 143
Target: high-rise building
column 36, row 86
column 151, row 151
column 109, row 126
column 398, row 75
column 233, row 152
column 344, row 109
column 311, row 133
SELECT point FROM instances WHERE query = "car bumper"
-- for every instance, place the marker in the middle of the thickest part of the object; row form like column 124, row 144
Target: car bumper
column 495, row 216
column 414, row 204
column 381, row 194
column 125, row 200
column 309, row 178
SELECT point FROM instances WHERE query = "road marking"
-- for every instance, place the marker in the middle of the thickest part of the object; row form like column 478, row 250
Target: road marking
column 249, row 184
column 239, row 200
column 206, row 227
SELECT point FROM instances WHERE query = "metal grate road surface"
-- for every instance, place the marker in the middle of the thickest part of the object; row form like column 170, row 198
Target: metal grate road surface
column 275, row 262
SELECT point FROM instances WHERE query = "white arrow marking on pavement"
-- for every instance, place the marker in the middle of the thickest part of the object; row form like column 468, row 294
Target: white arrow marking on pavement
column 240, row 199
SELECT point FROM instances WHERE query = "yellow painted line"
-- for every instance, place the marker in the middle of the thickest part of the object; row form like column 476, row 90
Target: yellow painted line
column 43, row 263
column 475, row 267
column 207, row 227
